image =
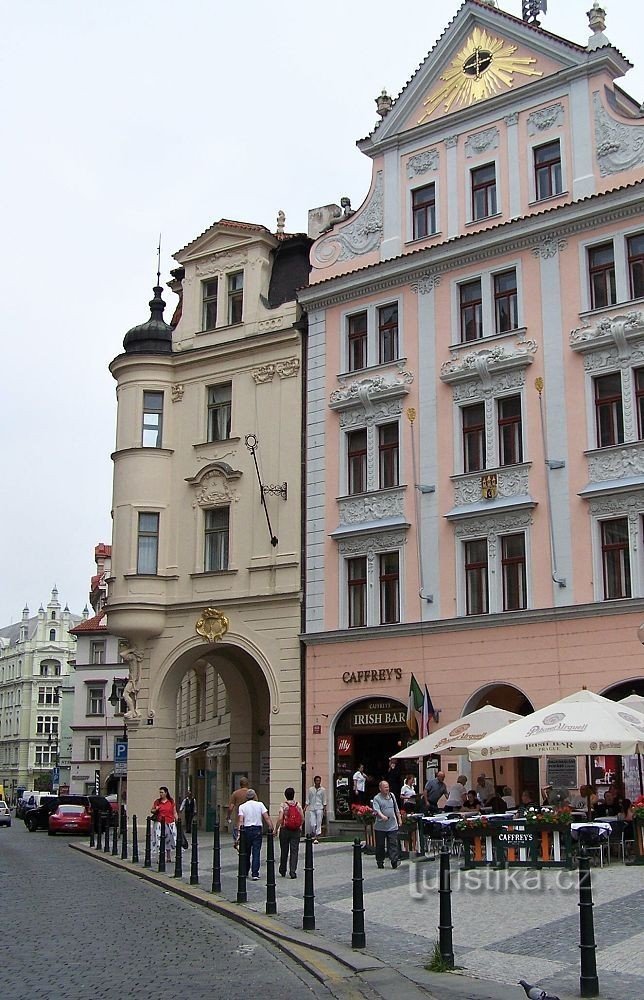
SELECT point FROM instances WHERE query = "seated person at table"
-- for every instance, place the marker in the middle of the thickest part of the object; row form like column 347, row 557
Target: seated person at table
column 496, row 804
column 608, row 806
column 472, row 803
column 508, row 798
column 527, row 802
column 484, row 788
column 408, row 794
column 457, row 794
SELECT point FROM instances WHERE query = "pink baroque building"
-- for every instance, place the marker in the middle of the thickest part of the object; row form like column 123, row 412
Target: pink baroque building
column 475, row 404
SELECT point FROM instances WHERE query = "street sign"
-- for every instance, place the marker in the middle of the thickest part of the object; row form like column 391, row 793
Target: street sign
column 55, row 778
column 120, row 757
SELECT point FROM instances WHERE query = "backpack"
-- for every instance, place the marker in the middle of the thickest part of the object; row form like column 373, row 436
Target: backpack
column 292, row 819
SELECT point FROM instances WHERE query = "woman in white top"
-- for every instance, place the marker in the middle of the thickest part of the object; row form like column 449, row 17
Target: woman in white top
column 457, row 794
column 408, row 794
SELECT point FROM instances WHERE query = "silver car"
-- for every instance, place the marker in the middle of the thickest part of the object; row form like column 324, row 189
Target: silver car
column 5, row 815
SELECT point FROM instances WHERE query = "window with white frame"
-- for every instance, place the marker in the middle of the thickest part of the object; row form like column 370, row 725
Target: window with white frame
column 219, row 411
column 483, row 186
column 616, row 558
column 476, row 576
column 388, row 455
column 482, row 449
column 617, row 531
column 152, row 421
column 371, row 586
column 473, row 429
column 510, row 430
column 147, row 549
column 635, row 248
column 235, row 297
column 216, row 539
column 95, row 700
column 46, row 724
column 487, row 305
column 93, row 747
column 601, row 273
column 45, row 755
column 614, row 270
column 493, row 567
column 389, row 579
column 209, row 297
column 423, row 211
column 357, row 461
column 372, row 458
column 609, row 409
column 547, row 170
column 372, row 336
column 97, row 651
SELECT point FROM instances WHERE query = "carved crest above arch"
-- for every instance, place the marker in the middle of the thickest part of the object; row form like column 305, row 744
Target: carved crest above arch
column 215, row 484
column 212, row 625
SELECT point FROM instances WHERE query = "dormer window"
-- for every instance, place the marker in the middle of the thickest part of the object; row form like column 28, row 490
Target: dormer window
column 209, row 305
column 235, row 297
column 484, row 192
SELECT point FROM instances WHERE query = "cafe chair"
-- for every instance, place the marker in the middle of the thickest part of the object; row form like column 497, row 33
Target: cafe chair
column 596, row 840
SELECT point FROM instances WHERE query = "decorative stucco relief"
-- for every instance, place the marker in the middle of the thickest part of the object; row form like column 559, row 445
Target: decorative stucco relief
column 362, row 235
column 511, row 119
column 425, row 283
column 357, row 416
column 509, row 484
column 618, row 146
column 545, row 118
column 177, row 393
column 222, row 262
column 451, row 141
column 473, row 390
column 616, row 332
column 549, row 246
column 486, row 363
column 369, row 545
column 491, row 525
column 481, row 142
column 287, row 368
column 263, row 374
column 275, row 323
column 422, row 163
column 369, row 508
column 367, row 390
column 622, row 463
column 216, row 486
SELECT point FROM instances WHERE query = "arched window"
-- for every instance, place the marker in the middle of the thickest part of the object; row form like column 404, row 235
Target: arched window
column 52, row 635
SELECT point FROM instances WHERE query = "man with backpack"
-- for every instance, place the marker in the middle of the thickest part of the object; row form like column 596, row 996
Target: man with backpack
column 289, row 826
column 315, row 807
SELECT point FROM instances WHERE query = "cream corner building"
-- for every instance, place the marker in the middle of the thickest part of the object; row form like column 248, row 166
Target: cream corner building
column 206, row 584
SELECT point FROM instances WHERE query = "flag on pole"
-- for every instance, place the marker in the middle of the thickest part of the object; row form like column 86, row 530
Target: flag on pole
column 429, row 712
column 414, row 706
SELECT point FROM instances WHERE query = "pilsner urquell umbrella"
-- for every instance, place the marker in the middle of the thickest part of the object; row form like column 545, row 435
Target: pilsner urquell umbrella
column 458, row 736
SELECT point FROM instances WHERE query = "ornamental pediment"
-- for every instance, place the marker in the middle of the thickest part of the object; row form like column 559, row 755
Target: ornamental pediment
column 609, row 332
column 487, row 363
column 215, row 484
column 367, row 392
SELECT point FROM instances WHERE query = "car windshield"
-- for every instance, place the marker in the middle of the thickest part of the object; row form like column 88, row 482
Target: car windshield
column 71, row 810
column 4, row 807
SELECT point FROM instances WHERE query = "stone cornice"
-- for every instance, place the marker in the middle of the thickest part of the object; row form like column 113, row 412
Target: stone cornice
column 370, row 390
column 611, row 332
column 487, row 363
column 472, row 248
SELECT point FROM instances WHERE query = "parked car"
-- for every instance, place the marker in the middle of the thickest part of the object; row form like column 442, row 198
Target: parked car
column 70, row 818
column 29, row 800
column 38, row 818
column 5, row 814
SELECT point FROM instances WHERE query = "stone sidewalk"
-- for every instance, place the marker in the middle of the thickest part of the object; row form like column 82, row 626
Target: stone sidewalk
column 507, row 925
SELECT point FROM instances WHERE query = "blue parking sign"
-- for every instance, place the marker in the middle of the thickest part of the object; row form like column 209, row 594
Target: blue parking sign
column 120, row 757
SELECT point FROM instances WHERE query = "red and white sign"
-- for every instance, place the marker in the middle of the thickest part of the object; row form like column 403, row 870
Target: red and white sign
column 345, row 746
column 317, row 730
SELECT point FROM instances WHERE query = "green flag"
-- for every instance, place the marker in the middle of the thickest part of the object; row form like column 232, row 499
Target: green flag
column 414, row 706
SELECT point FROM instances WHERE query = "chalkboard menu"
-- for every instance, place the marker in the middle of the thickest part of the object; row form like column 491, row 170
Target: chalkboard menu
column 561, row 772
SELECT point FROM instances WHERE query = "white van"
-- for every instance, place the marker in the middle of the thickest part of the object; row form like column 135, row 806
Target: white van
column 29, row 800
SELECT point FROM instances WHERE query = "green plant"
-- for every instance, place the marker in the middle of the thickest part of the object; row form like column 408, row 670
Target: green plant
column 436, row 962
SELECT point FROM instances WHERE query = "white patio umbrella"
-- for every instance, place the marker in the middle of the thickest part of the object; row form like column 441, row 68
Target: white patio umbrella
column 459, row 735
column 637, row 702
column 583, row 723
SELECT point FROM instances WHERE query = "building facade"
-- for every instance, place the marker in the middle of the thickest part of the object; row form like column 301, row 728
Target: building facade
column 36, row 656
column 206, row 549
column 475, row 421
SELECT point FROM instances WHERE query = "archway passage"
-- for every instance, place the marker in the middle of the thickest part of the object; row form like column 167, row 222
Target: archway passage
column 626, row 772
column 622, row 690
column 522, row 773
column 369, row 732
column 504, row 696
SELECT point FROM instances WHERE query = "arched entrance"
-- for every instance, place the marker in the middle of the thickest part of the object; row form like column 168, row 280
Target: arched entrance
column 628, row 771
column 522, row 773
column 367, row 732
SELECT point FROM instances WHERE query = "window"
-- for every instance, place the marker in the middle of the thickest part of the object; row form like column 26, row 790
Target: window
column 473, row 437
column 476, row 583
column 148, row 544
column 609, row 416
column 357, row 340
column 357, row 461
column 513, row 572
column 387, row 333
column 510, row 437
column 45, row 755
column 601, row 269
column 506, row 316
column 53, row 616
column 95, row 700
column 388, row 455
column 209, row 317
column 52, row 635
column 93, row 748
column 639, row 401
column 44, row 670
column 423, row 210
column 547, row 170
column 48, row 696
column 235, row 297
column 483, row 192
column 219, row 411
column 97, row 651
column 357, row 586
column 118, row 687
column 636, row 266
column 471, row 310
column 46, row 724
column 389, row 588
column 616, row 562
column 216, row 539
column 152, row 419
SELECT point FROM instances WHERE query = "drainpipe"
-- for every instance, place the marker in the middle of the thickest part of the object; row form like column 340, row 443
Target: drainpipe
column 550, row 465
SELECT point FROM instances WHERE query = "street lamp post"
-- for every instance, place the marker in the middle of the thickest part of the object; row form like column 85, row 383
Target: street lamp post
column 116, row 698
column 52, row 744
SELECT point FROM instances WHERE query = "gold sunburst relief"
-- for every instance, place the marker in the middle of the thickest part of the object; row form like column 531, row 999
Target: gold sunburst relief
column 481, row 69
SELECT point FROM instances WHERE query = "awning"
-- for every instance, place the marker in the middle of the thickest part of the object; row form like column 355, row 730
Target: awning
column 184, row 751
column 218, row 749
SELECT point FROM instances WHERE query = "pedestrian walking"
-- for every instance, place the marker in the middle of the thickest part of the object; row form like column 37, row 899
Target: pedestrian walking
column 316, row 807
column 360, row 785
column 236, row 799
column 289, row 829
column 386, row 826
column 252, row 816
column 164, row 808
column 188, row 810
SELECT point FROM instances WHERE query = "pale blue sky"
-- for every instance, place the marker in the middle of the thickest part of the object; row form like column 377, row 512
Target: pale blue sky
column 125, row 118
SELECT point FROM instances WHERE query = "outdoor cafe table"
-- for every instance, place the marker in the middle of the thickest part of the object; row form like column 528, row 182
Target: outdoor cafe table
column 511, row 841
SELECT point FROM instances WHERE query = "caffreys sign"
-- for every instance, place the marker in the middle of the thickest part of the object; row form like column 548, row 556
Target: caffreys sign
column 372, row 676
column 380, row 714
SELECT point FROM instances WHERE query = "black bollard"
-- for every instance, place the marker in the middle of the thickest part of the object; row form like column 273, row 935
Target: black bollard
column 308, row 918
column 147, row 861
column 271, row 903
column 216, row 860
column 178, row 861
column 97, row 830
column 162, row 847
column 420, row 853
column 588, row 980
column 115, row 837
column 91, row 830
column 194, row 860
column 106, row 834
column 135, row 842
column 242, row 895
column 123, row 840
column 358, row 937
column 445, row 910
